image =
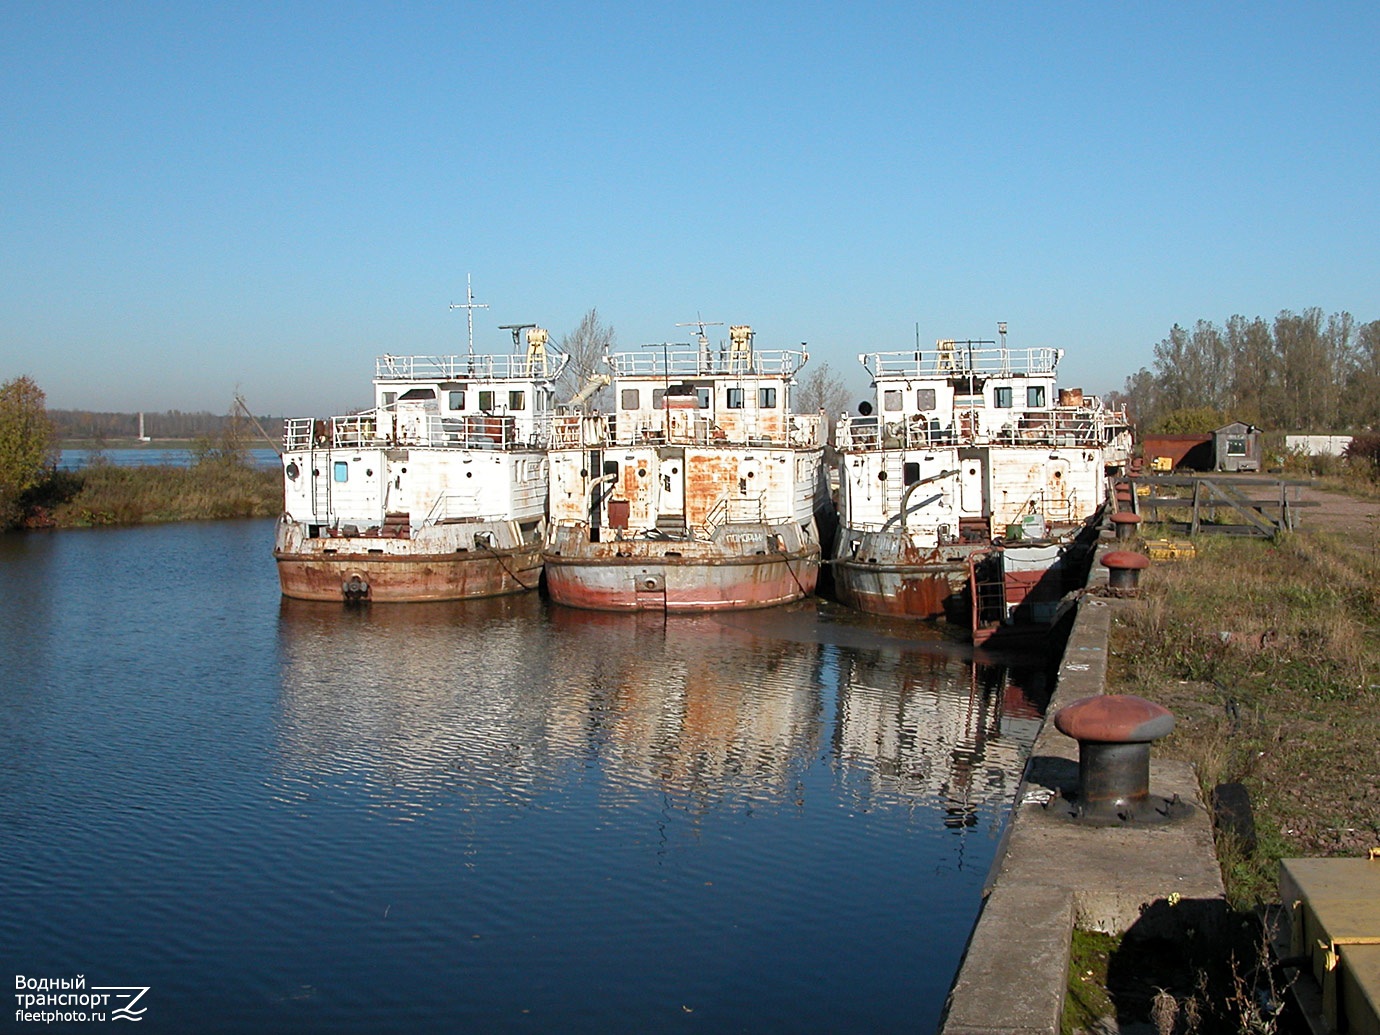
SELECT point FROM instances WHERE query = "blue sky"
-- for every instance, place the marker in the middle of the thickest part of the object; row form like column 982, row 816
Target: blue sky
column 196, row 198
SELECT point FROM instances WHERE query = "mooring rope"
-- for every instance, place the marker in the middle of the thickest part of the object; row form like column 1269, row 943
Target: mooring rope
column 512, row 574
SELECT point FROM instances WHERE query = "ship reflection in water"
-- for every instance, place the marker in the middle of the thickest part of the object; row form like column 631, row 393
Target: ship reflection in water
column 774, row 820
column 522, row 696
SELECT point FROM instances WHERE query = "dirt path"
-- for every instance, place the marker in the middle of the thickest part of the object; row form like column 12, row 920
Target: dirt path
column 1345, row 515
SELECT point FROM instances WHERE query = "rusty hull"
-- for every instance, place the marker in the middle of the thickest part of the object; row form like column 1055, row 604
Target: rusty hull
column 899, row 590
column 676, row 575
column 409, row 578
column 887, row 574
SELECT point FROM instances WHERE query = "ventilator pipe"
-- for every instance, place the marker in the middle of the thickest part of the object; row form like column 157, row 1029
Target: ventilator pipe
column 905, row 496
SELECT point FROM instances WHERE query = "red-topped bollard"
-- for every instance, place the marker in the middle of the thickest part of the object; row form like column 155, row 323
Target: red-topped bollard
column 1123, row 568
column 1125, row 523
column 1114, row 732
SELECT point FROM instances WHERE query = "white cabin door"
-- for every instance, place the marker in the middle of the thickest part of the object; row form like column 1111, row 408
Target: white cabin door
column 395, row 491
column 671, row 487
column 970, row 489
column 1057, row 490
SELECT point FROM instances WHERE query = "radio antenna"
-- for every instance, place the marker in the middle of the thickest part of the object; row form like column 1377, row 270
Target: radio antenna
column 470, row 305
column 705, row 358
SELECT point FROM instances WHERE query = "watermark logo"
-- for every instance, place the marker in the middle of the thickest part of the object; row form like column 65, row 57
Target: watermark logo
column 126, row 996
column 69, row 1000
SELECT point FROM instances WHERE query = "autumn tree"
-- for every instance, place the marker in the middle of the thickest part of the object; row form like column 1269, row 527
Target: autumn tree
column 1301, row 372
column 586, row 346
column 28, row 444
column 822, row 389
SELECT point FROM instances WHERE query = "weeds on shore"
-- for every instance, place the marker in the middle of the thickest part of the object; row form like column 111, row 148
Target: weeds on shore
column 1268, row 655
column 1224, row 982
column 218, row 486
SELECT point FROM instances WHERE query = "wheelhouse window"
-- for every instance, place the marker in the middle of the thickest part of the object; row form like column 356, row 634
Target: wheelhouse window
column 627, row 399
column 1002, row 397
column 456, row 400
column 517, row 400
column 893, row 400
column 1035, row 395
column 486, row 400
column 924, row 398
column 733, row 397
column 766, row 398
column 702, row 396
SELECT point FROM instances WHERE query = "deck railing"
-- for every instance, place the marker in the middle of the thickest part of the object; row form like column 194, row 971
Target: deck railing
column 734, row 510
column 962, row 358
column 1058, row 426
column 377, row 429
column 688, row 361
column 579, row 431
column 512, row 366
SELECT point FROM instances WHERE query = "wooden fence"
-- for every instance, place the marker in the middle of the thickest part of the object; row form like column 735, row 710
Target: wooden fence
column 1218, row 503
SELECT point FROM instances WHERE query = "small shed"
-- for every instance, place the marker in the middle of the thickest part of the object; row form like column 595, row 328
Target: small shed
column 1237, row 447
column 1170, row 452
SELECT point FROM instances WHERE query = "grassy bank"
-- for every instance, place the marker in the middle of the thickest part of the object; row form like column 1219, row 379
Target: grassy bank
column 103, row 494
column 1268, row 656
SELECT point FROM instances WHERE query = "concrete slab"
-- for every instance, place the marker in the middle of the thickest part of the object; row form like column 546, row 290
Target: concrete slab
column 1054, row 872
column 1016, row 966
column 1116, row 873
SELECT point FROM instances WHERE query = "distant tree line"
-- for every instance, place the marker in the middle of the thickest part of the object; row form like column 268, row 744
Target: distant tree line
column 89, row 425
column 1303, row 372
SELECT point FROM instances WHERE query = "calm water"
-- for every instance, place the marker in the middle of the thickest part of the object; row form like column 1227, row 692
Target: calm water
column 72, row 459
column 487, row 817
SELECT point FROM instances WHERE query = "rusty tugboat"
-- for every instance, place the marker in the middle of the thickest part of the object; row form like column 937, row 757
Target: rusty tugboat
column 699, row 493
column 436, row 493
column 963, row 493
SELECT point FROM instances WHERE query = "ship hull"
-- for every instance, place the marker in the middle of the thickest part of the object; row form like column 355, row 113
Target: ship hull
column 379, row 570
column 638, row 576
column 922, row 591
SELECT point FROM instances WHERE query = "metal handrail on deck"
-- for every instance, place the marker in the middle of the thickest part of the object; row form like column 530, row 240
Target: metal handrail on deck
column 1057, row 426
column 578, row 431
column 689, row 361
column 504, row 367
column 734, row 510
column 962, row 358
column 380, row 428
column 441, row 509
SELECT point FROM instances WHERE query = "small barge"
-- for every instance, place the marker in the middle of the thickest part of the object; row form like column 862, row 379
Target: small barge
column 436, row 493
column 699, row 493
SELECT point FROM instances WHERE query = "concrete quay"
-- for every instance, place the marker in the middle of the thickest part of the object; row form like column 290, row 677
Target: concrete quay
column 1055, row 873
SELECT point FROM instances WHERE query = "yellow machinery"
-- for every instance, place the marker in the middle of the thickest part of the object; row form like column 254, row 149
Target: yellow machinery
column 1333, row 908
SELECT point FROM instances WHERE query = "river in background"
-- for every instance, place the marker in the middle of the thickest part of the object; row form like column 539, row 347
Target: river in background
column 491, row 816
column 148, row 456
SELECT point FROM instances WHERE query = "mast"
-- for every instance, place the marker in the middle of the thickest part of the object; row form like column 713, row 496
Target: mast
column 470, row 305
